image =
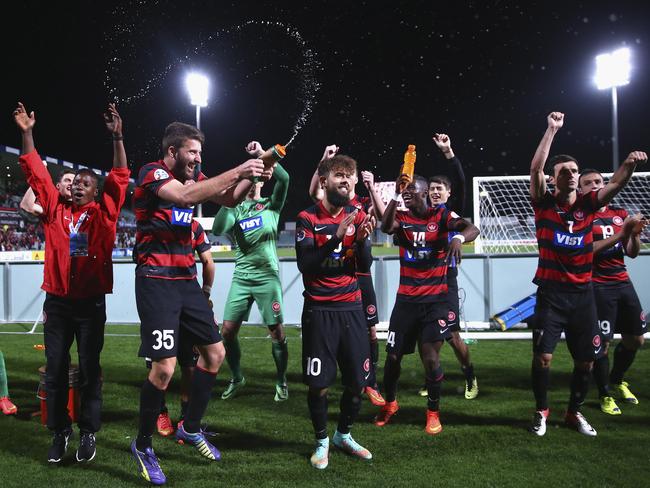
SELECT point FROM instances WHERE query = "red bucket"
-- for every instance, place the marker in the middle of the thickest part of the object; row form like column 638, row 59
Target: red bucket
column 73, row 393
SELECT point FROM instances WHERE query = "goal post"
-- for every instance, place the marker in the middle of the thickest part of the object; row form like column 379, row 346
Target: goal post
column 504, row 215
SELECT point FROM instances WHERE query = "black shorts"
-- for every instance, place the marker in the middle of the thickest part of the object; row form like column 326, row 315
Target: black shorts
column 453, row 305
column 330, row 337
column 411, row 322
column 619, row 310
column 173, row 312
column 369, row 299
column 571, row 312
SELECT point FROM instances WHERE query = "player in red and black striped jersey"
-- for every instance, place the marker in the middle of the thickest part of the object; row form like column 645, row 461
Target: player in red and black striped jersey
column 331, row 247
column 371, row 204
column 167, row 295
column 616, row 234
column 565, row 300
column 420, row 312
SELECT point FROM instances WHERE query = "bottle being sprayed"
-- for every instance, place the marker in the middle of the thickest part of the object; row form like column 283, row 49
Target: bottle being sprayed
column 408, row 168
column 273, row 154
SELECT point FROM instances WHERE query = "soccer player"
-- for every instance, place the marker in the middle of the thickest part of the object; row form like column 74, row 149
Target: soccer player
column 616, row 234
column 171, row 304
column 440, row 193
column 420, row 311
column 331, row 246
column 63, row 185
column 187, row 354
column 78, row 274
column 6, row 405
column 254, row 227
column 375, row 206
column 565, row 298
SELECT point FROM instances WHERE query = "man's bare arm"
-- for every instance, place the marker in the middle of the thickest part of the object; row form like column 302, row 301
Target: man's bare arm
column 555, row 120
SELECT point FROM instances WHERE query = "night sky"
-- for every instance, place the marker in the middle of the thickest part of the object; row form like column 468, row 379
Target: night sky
column 374, row 79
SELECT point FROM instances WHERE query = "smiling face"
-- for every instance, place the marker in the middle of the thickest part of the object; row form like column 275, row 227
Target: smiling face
column 415, row 195
column 84, row 188
column 185, row 157
column 438, row 193
column 65, row 185
column 338, row 184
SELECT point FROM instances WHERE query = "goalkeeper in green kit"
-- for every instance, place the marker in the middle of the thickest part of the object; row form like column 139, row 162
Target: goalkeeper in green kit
column 254, row 226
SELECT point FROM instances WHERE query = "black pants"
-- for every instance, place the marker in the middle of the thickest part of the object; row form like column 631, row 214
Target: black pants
column 66, row 319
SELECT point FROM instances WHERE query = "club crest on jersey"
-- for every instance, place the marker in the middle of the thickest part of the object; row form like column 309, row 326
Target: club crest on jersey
column 642, row 315
column 275, row 306
column 251, row 223
column 259, row 206
column 451, row 316
column 300, row 234
column 442, row 322
column 617, row 220
column 570, row 241
column 432, row 227
column 579, row 215
column 350, row 230
column 160, row 174
column 358, row 206
column 371, row 310
column 596, row 341
column 182, row 216
column 366, row 365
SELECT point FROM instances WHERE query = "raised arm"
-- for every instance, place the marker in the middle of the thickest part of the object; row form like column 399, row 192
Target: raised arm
column 113, row 123
column 378, row 206
column 219, row 189
column 29, row 205
column 223, row 221
column 388, row 224
column 315, row 191
column 620, row 178
column 555, row 120
column 26, row 125
column 458, row 183
column 281, row 188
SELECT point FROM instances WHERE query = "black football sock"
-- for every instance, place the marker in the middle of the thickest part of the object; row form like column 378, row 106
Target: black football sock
column 434, row 383
column 163, row 405
column 540, row 379
column 202, row 383
column 318, row 412
column 579, row 389
column 150, row 400
column 374, row 359
column 183, row 409
column 392, row 369
column 468, row 371
column 623, row 359
column 601, row 375
column 350, row 406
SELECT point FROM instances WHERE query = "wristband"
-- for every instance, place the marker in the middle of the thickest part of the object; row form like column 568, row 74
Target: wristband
column 460, row 237
column 118, row 138
column 207, row 289
column 396, row 197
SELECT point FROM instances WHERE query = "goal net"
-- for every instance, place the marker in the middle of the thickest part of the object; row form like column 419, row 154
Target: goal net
column 503, row 213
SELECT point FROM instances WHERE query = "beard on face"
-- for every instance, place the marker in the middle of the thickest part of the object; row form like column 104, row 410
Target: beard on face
column 336, row 199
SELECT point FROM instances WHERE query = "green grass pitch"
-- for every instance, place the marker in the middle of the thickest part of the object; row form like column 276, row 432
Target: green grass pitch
column 484, row 441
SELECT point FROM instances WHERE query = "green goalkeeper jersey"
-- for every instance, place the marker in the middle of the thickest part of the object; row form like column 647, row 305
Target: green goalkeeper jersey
column 253, row 225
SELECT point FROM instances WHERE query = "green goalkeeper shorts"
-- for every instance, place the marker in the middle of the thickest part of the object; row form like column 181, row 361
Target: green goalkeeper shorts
column 266, row 291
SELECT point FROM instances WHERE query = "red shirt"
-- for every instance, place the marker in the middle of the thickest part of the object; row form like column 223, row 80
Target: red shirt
column 78, row 276
column 336, row 280
column 565, row 241
column 609, row 265
column 164, row 231
column 423, row 245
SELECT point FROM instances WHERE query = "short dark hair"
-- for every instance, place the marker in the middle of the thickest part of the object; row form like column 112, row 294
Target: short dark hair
column 588, row 171
column 63, row 173
column 442, row 179
column 339, row 161
column 559, row 159
column 177, row 133
column 88, row 172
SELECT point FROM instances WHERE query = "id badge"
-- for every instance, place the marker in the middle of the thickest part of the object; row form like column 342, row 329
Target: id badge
column 79, row 244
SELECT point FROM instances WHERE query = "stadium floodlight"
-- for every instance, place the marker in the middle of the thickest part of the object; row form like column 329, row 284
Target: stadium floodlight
column 613, row 70
column 197, row 86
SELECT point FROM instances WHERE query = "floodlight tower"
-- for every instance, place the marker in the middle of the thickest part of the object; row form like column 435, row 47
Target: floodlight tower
column 613, row 70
